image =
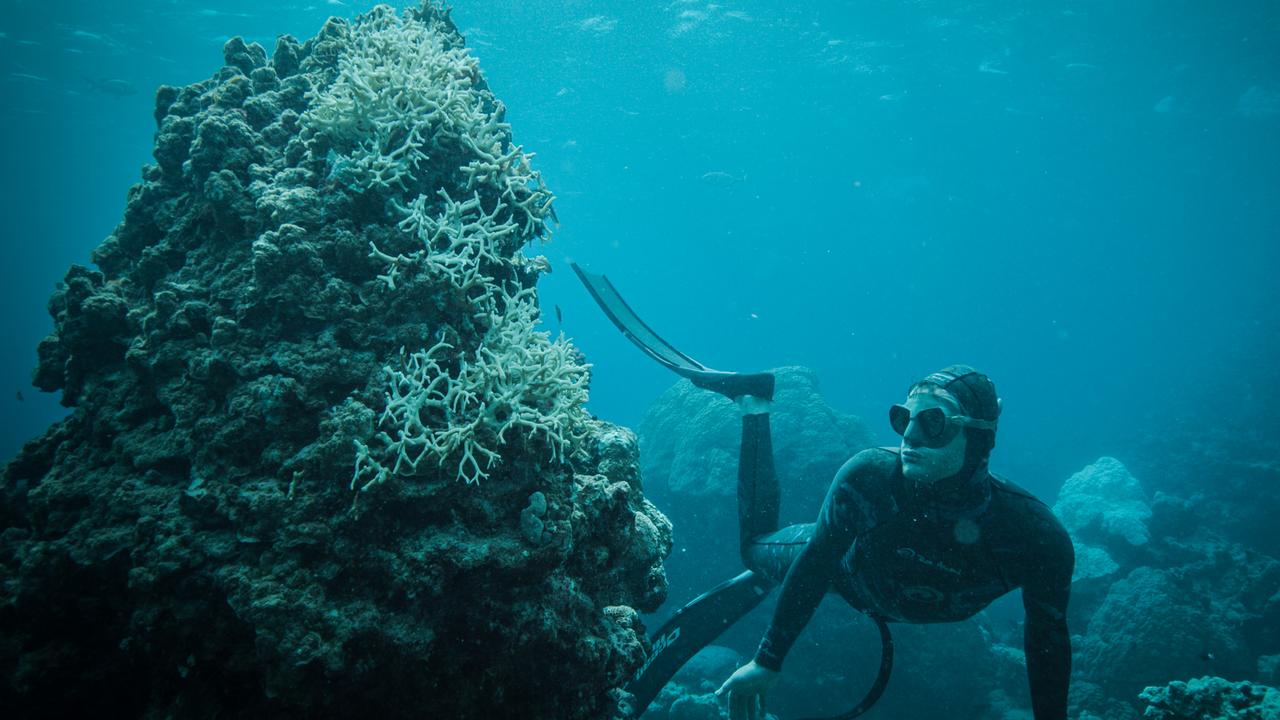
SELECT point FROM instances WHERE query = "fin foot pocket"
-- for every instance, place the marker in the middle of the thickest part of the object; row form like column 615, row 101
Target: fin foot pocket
column 735, row 385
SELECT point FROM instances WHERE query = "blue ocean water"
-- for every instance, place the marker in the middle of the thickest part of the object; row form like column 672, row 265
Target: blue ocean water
column 1079, row 198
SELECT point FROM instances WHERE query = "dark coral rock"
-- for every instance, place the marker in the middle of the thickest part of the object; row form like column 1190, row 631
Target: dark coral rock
column 232, row 92
column 285, row 58
column 222, row 142
column 173, row 144
column 92, row 323
column 261, row 111
column 245, row 57
column 166, row 96
column 264, row 79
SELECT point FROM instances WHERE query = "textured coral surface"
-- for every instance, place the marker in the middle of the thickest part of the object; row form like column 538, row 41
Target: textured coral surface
column 1211, row 697
column 319, row 287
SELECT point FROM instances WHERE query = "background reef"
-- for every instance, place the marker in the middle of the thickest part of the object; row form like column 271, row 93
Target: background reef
column 319, row 461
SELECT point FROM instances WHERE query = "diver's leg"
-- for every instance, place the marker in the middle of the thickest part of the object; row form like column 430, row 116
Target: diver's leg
column 765, row 549
column 758, row 494
column 772, row 555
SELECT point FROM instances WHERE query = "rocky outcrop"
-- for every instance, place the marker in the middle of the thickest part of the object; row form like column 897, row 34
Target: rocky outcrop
column 1211, row 697
column 321, row 463
column 1159, row 593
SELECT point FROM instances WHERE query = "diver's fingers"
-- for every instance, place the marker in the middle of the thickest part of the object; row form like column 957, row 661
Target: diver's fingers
column 737, row 709
column 753, row 707
column 724, row 687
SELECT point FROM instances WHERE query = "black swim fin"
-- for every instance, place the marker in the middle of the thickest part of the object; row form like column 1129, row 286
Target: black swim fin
column 692, row 628
column 703, row 619
column 731, row 384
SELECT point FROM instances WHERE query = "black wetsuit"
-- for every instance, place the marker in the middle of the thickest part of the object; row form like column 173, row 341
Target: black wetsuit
column 910, row 554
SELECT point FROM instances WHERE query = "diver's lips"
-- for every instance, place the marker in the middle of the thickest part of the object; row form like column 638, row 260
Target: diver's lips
column 912, row 455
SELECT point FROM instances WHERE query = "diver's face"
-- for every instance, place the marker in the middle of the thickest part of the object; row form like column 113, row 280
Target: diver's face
column 925, row 464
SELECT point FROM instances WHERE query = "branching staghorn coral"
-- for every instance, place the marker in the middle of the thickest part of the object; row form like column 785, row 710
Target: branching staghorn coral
column 402, row 94
column 456, row 243
column 521, row 186
column 519, row 382
column 405, row 98
column 408, row 115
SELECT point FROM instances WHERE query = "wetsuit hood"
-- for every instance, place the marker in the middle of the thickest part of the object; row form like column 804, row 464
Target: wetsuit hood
column 974, row 390
column 977, row 397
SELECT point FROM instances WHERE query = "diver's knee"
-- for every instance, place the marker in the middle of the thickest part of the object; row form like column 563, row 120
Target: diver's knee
column 749, row 552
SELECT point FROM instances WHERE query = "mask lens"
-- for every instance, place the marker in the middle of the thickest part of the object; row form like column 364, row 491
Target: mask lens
column 928, row 427
column 899, row 418
column 932, row 421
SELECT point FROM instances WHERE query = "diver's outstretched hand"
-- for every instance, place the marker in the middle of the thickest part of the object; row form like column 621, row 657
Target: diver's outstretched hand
column 746, row 689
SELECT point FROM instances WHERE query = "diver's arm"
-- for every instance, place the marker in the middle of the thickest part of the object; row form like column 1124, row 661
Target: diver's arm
column 806, row 583
column 1046, row 639
column 842, row 517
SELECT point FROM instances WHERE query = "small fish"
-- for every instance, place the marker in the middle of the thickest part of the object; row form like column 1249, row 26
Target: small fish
column 113, row 86
column 86, row 35
column 1021, row 112
column 102, row 39
column 559, row 315
column 1081, row 66
column 1207, row 656
column 18, row 395
column 220, row 13
column 29, row 76
column 720, row 178
column 599, row 24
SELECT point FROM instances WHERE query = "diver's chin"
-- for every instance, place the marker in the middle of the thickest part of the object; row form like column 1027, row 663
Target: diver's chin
column 916, row 473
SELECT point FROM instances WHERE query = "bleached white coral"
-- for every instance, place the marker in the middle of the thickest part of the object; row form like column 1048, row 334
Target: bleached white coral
column 408, row 114
column 402, row 92
column 406, row 96
column 457, row 244
column 442, row 406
